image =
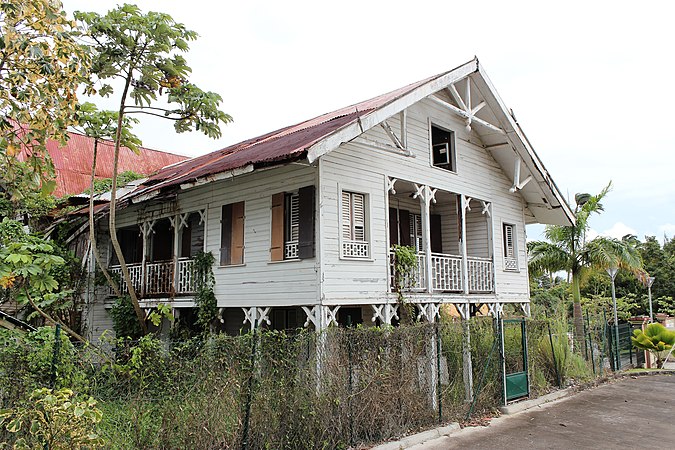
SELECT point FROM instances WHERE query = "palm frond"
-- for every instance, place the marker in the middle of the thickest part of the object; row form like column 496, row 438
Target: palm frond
column 545, row 256
column 604, row 252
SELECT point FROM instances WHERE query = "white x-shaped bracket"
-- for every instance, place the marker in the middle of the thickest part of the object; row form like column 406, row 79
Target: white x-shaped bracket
column 467, row 203
column 321, row 316
column 386, row 313
column 429, row 311
column 495, row 309
column 486, row 208
column 202, row 216
column 463, row 310
column 525, row 306
column 147, row 228
column 390, row 185
column 425, row 193
column 256, row 316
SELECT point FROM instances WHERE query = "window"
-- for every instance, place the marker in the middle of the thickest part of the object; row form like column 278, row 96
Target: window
column 443, row 148
column 293, row 225
column 354, row 236
column 510, row 251
column 232, row 234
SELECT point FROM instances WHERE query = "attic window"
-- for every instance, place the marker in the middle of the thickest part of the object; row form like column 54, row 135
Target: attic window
column 443, row 148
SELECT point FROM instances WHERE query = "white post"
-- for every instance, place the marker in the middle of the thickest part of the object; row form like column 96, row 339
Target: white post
column 176, row 243
column 467, row 365
column 425, row 200
column 650, row 281
column 465, row 260
column 146, row 229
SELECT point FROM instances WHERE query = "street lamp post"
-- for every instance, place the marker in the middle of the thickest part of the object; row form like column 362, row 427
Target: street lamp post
column 650, row 281
column 612, row 274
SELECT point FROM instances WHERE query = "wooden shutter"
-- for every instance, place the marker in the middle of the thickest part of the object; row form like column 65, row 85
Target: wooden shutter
column 393, row 226
column 306, row 247
column 277, row 246
column 186, row 241
column 509, row 247
column 404, row 226
column 346, row 216
column 226, row 235
column 237, row 233
column 359, row 217
column 436, row 236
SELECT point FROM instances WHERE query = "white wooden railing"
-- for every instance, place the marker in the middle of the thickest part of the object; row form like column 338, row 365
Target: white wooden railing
column 355, row 249
column 446, row 274
column 480, row 275
column 158, row 277
column 291, row 250
column 413, row 282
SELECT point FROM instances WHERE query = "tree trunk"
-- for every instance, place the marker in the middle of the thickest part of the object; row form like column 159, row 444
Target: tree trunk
column 92, row 233
column 113, row 199
column 578, row 318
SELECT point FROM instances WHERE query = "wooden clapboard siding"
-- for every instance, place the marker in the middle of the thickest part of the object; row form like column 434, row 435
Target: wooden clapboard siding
column 360, row 168
column 258, row 282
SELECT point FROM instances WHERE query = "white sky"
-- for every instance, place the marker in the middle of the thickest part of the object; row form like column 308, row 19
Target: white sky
column 590, row 82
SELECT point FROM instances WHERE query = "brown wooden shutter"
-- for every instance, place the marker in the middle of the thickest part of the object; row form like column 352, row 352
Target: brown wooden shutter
column 436, row 237
column 404, row 226
column 226, row 236
column 393, row 226
column 277, row 247
column 237, row 233
column 306, row 233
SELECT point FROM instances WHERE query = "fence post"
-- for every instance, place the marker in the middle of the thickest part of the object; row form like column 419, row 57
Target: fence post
column 349, row 335
column 590, row 341
column 55, row 357
column 467, row 366
column 439, row 392
column 249, row 391
column 555, row 362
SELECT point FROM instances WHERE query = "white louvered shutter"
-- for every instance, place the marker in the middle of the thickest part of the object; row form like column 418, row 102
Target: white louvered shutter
column 359, row 217
column 293, row 217
column 346, row 216
column 509, row 249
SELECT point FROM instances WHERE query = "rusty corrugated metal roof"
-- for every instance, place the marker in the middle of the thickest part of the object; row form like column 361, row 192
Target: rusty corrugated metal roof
column 73, row 162
column 277, row 147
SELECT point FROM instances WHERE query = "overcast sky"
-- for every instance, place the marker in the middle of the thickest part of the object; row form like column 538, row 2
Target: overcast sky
column 590, row 82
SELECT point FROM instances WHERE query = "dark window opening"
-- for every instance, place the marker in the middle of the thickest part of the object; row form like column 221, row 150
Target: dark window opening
column 443, row 148
column 349, row 317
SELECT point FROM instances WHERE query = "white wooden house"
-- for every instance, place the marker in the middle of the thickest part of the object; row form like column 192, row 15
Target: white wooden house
column 302, row 220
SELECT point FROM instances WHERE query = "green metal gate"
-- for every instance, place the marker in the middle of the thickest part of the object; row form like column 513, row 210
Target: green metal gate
column 516, row 381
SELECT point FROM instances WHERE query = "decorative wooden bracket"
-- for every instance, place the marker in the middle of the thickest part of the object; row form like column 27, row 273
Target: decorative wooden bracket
column 486, row 208
column 147, row 228
column 429, row 311
column 525, row 306
column 495, row 308
column 390, row 185
column 321, row 316
column 220, row 315
column 397, row 142
column 256, row 316
column 467, row 203
column 425, row 193
column 517, row 185
column 463, row 310
column 385, row 313
column 202, row 216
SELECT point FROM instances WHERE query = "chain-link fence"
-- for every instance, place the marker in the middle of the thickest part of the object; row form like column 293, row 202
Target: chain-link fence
column 339, row 388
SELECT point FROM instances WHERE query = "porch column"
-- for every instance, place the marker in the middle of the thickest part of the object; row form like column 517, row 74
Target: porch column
column 146, row 230
column 176, row 222
column 426, row 196
column 464, row 203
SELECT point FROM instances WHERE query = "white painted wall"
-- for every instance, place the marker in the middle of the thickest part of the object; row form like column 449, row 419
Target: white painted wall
column 362, row 168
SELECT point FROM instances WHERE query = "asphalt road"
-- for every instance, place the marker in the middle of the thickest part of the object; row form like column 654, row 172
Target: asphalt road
column 629, row 413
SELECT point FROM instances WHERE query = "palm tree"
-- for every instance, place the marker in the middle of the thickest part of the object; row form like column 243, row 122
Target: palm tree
column 567, row 249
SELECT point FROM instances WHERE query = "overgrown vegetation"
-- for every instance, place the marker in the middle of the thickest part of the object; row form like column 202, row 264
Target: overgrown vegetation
column 656, row 339
column 405, row 270
column 365, row 384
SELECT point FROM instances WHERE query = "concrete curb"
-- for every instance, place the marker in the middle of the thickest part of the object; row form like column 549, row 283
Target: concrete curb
column 527, row 404
column 418, row 438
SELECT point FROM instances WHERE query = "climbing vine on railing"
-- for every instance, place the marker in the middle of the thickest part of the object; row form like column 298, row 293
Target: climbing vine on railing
column 405, row 265
column 205, row 298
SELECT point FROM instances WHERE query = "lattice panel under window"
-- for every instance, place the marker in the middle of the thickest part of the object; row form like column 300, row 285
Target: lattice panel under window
column 355, row 249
